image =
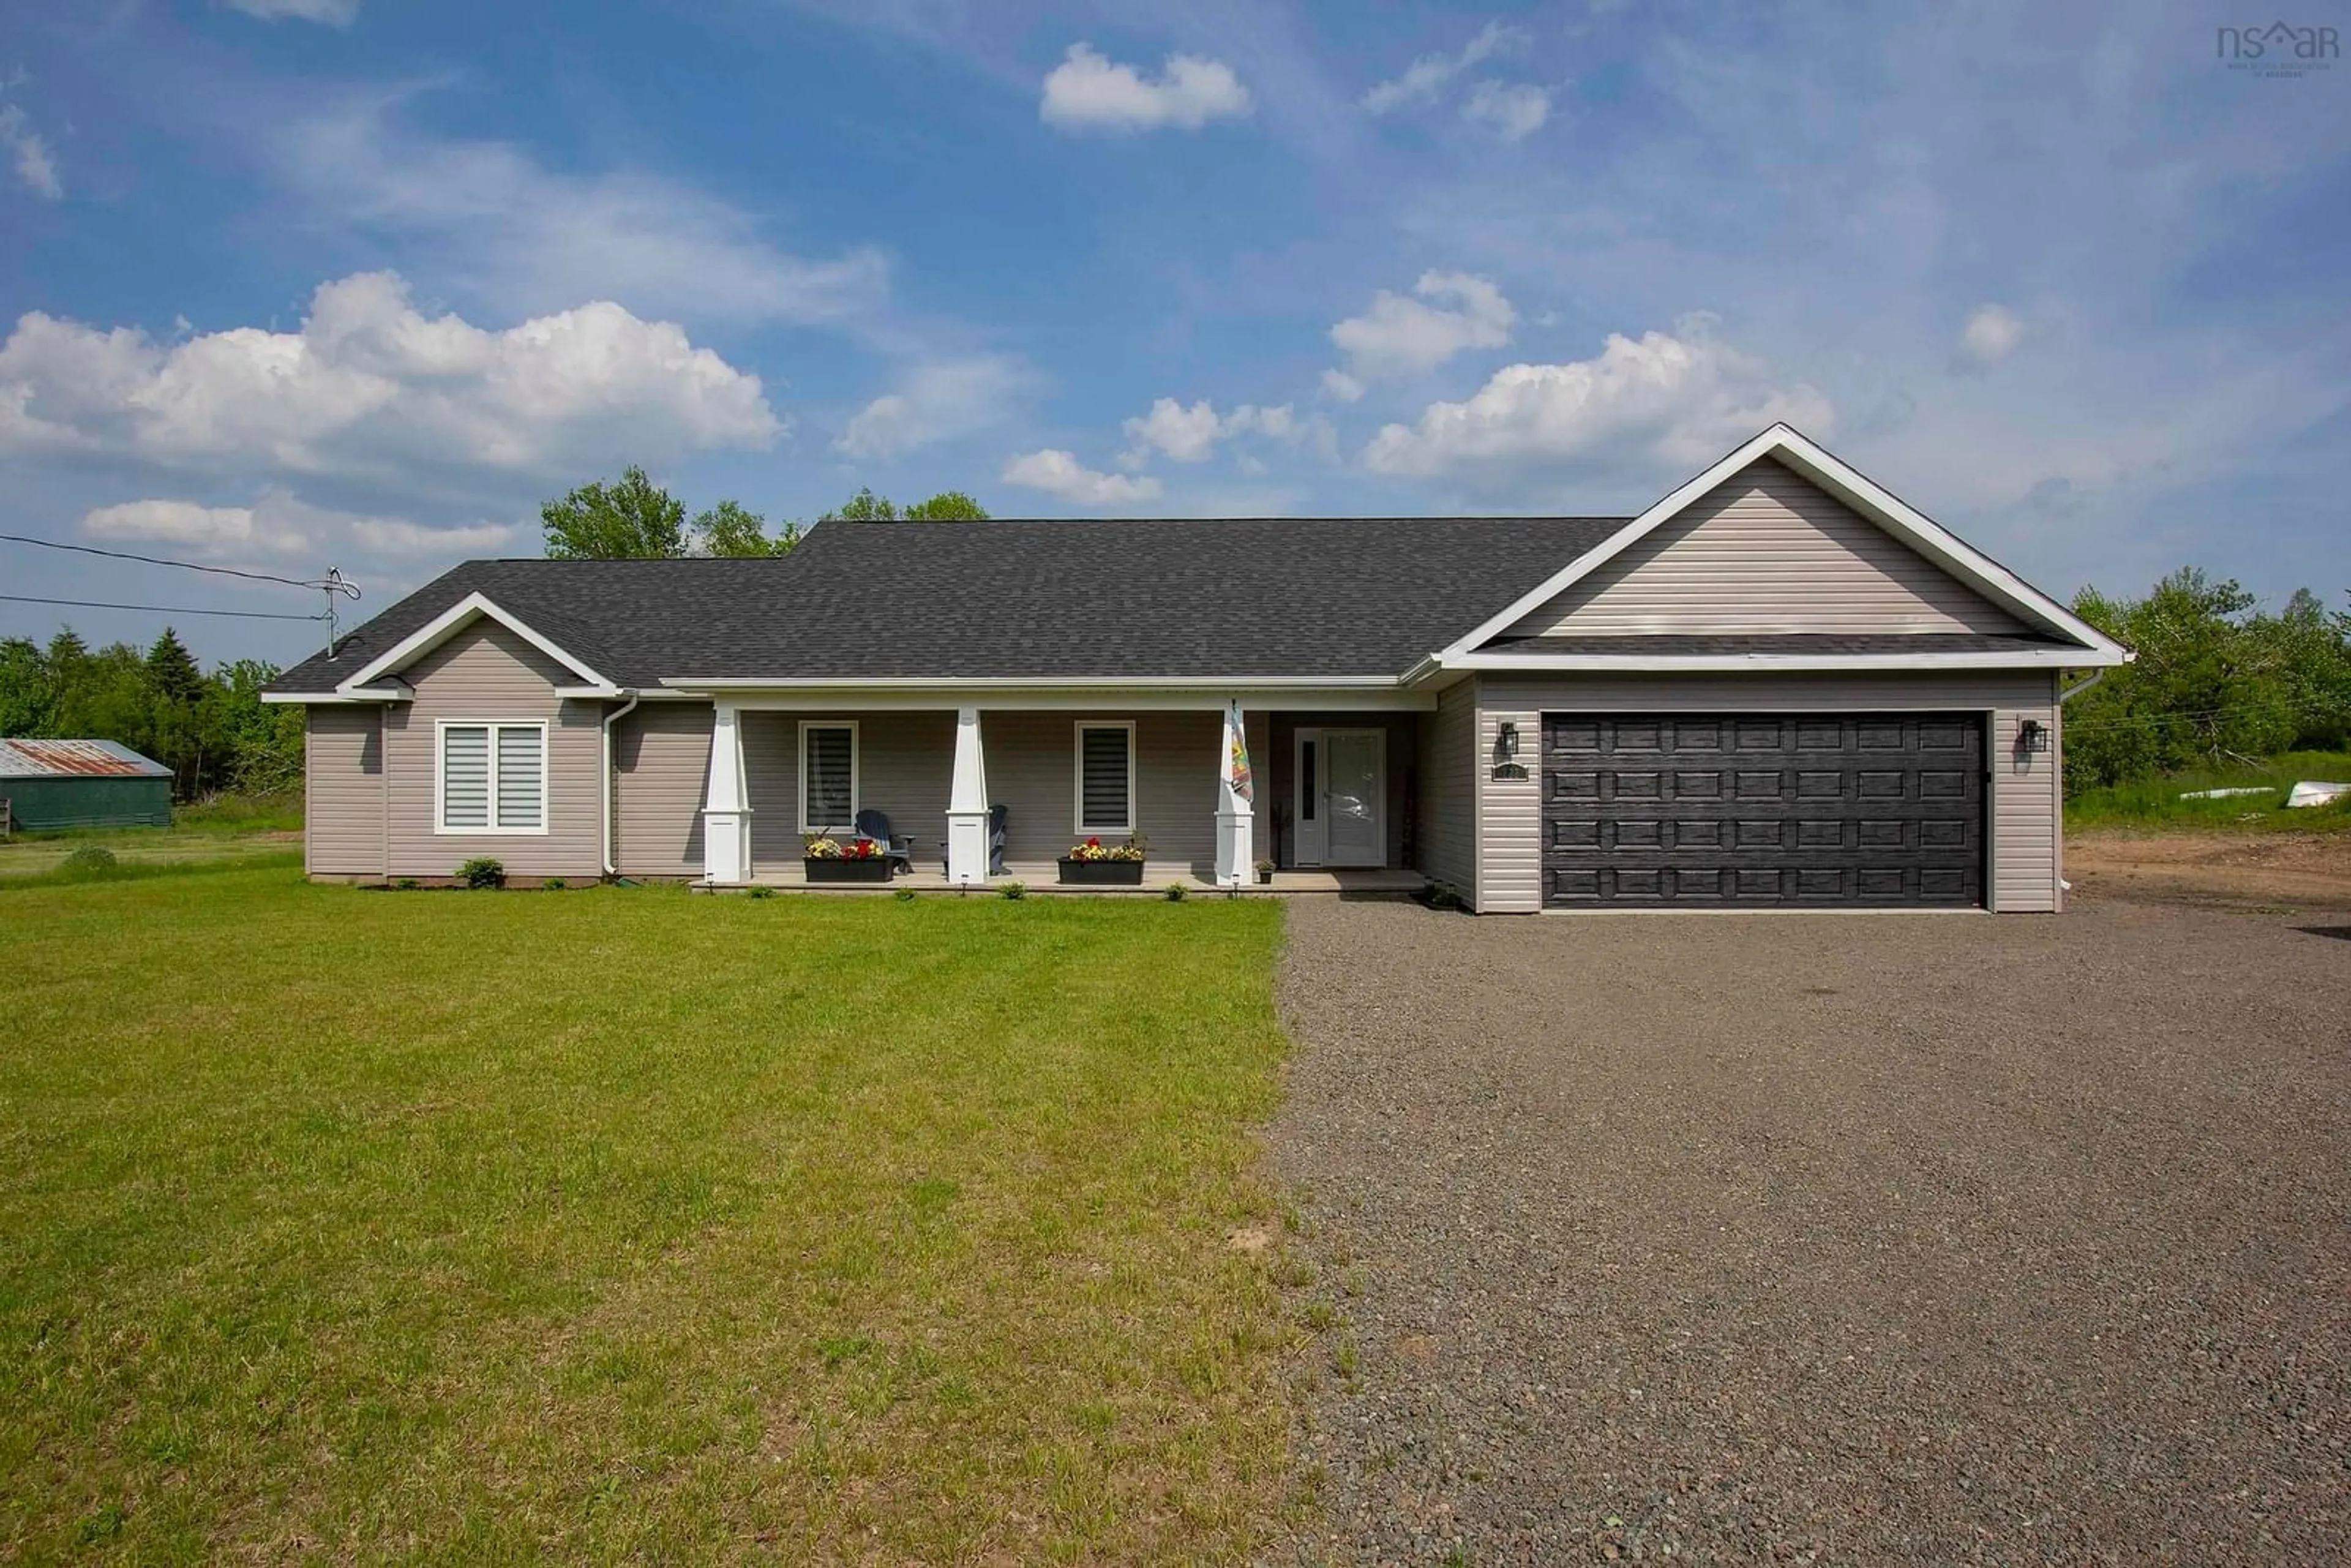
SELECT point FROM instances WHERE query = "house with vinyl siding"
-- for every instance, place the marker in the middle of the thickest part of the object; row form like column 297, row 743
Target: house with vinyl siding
column 1780, row 685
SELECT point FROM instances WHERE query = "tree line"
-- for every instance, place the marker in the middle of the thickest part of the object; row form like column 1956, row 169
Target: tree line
column 212, row 731
column 635, row 519
column 2216, row 681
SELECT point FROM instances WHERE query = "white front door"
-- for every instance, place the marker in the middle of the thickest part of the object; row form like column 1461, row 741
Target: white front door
column 1342, row 809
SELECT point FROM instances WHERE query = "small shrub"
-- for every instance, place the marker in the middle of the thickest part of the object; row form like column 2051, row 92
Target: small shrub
column 555, row 884
column 482, row 872
column 1178, row 893
column 405, row 883
column 761, row 890
column 1014, row 889
column 904, row 895
column 90, row 862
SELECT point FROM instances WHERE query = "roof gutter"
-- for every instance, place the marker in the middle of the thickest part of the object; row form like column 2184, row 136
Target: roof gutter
column 1023, row 683
column 1667, row 664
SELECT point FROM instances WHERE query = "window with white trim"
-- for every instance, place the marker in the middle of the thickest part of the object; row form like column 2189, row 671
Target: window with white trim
column 492, row 777
column 1106, row 778
column 827, row 778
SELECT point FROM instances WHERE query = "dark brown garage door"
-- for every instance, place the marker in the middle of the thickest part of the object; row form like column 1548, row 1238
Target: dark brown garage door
column 1762, row 809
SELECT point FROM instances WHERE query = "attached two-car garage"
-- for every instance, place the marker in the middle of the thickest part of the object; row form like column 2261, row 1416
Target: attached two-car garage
column 1747, row 809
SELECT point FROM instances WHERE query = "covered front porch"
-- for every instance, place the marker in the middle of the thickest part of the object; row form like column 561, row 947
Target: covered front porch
column 998, row 790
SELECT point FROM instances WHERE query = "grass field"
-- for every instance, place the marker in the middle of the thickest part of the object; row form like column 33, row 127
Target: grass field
column 474, row 1226
column 2156, row 802
column 246, row 829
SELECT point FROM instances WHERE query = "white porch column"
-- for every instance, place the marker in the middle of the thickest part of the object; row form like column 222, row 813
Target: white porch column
column 968, row 805
column 726, row 809
column 1236, row 850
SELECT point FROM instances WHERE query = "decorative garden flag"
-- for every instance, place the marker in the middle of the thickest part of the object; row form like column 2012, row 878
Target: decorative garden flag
column 1237, row 763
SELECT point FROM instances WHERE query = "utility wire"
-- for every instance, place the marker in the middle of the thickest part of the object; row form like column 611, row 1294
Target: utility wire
column 159, row 608
column 159, row 561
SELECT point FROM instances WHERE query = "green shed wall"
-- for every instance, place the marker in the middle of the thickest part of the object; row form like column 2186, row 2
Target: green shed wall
column 97, row 801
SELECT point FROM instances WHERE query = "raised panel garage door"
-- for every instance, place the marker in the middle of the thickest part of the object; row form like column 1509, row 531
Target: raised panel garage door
column 1762, row 809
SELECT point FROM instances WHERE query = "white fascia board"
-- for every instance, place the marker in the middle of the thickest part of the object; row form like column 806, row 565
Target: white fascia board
column 456, row 618
column 388, row 691
column 1376, row 694
column 1849, row 484
column 2049, row 658
column 977, row 683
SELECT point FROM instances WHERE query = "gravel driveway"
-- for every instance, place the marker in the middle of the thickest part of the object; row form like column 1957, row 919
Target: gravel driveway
column 1824, row 1238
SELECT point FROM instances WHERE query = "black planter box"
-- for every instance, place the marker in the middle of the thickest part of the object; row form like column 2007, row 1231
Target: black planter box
column 875, row 869
column 1101, row 874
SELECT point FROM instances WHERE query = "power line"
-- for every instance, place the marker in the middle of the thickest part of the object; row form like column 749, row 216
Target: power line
column 159, row 561
column 160, row 609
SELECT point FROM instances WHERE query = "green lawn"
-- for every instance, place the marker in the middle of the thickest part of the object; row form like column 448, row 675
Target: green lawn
column 480, row 1227
column 2156, row 802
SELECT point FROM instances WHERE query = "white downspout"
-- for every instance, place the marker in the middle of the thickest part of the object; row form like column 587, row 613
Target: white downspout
column 2078, row 687
column 611, row 866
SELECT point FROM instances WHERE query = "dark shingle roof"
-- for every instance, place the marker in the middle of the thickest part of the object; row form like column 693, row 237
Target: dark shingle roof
column 1686, row 644
column 1216, row 599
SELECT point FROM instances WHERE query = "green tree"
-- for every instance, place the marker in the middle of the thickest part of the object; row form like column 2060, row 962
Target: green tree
column 632, row 520
column 2213, row 680
column 731, row 529
column 947, row 506
column 28, row 693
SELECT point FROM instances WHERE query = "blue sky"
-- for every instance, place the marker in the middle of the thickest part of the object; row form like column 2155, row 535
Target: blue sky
column 289, row 283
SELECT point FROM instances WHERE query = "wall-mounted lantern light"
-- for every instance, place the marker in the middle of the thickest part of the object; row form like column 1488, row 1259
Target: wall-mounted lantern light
column 1506, row 750
column 2032, row 735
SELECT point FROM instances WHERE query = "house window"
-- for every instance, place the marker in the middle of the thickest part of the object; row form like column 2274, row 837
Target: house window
column 1106, row 778
column 493, row 777
column 827, row 778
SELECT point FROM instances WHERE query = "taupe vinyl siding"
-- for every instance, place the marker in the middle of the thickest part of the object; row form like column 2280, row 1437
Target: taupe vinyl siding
column 1768, row 551
column 487, row 672
column 1448, row 793
column 2027, row 808
column 342, row 787
column 661, row 761
column 2024, row 821
column 1509, row 811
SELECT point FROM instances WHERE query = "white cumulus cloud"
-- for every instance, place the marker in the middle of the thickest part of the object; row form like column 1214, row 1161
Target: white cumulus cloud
column 206, row 530
column 280, row 525
column 1453, row 311
column 1341, row 387
column 1512, row 110
column 1089, row 91
column 1682, row 399
column 1428, row 76
column 35, row 165
column 332, row 13
column 1190, row 434
column 1059, row 473
column 370, row 386
column 1991, row 334
column 934, row 402
column 526, row 238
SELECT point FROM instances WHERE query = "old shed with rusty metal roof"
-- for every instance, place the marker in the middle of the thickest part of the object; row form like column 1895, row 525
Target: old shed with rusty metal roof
column 52, row 784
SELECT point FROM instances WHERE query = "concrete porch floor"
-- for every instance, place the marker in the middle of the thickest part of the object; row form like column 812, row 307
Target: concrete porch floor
column 1039, row 878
